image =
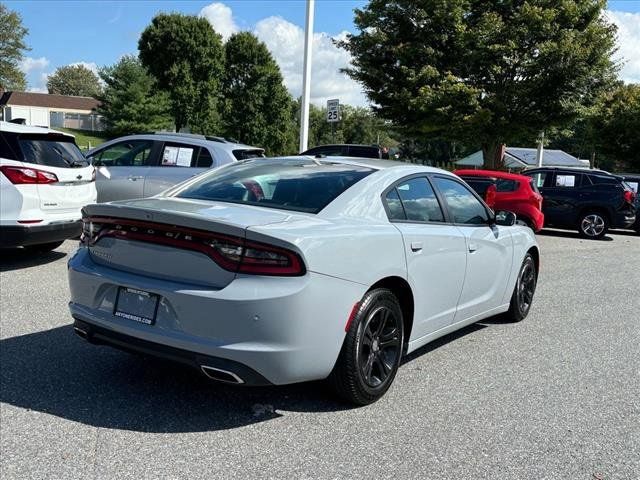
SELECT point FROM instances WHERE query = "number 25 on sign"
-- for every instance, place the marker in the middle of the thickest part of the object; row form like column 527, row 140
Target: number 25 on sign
column 333, row 110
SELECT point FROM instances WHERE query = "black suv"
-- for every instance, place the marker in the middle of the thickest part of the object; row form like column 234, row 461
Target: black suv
column 590, row 201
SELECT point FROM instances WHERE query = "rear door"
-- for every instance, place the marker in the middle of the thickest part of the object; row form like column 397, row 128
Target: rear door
column 178, row 162
column 489, row 247
column 435, row 252
column 122, row 168
column 59, row 155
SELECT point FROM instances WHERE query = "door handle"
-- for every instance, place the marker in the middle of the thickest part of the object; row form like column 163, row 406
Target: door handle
column 416, row 246
column 133, row 178
column 472, row 247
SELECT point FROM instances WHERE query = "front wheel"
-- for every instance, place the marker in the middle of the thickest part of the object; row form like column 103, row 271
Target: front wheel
column 593, row 225
column 524, row 290
column 372, row 349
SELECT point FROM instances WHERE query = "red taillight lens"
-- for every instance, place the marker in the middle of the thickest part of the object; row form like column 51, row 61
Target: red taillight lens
column 231, row 253
column 629, row 196
column 22, row 175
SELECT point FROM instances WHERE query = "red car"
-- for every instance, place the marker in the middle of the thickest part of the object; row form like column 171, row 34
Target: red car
column 508, row 191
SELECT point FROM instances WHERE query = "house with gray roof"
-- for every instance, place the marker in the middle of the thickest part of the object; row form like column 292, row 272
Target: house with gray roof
column 517, row 158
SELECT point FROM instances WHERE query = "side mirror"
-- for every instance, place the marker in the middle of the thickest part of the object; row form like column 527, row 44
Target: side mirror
column 505, row 218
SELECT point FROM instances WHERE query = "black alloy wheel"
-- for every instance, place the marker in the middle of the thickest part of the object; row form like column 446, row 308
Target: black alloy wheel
column 372, row 349
column 524, row 290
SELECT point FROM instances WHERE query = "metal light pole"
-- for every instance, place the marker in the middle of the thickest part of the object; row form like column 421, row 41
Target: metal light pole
column 306, row 78
column 540, row 152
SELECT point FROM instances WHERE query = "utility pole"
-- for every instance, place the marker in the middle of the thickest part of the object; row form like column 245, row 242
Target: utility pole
column 540, row 153
column 306, row 78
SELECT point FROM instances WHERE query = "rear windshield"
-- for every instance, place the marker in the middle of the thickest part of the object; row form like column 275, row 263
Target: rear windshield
column 52, row 151
column 244, row 154
column 301, row 185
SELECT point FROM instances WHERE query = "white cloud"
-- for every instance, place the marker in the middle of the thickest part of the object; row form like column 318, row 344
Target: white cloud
column 221, row 19
column 285, row 40
column 29, row 64
column 628, row 44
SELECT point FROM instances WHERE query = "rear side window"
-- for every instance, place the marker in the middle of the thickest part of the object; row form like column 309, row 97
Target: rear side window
column 300, row 185
column 418, row 202
column 245, row 154
column 504, row 185
column 363, row 152
column 565, row 180
column 52, row 151
column 602, row 180
column 177, row 155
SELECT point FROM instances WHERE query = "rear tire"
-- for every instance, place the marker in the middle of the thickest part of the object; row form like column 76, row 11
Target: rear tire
column 524, row 290
column 372, row 349
column 593, row 225
column 43, row 247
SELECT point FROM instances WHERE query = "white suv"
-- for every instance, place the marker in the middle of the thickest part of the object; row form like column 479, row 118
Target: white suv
column 44, row 183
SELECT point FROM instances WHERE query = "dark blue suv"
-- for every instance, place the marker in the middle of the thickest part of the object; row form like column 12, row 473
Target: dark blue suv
column 590, row 201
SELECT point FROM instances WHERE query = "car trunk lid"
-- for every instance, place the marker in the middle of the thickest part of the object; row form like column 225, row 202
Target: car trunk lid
column 187, row 241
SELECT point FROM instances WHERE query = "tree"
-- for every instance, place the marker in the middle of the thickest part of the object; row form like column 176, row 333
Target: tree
column 485, row 71
column 12, row 46
column 130, row 102
column 75, row 80
column 257, row 104
column 616, row 126
column 186, row 56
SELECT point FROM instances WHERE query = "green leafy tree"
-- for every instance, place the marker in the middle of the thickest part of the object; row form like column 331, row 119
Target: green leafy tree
column 615, row 127
column 130, row 102
column 75, row 80
column 186, row 56
column 12, row 46
column 257, row 104
column 482, row 71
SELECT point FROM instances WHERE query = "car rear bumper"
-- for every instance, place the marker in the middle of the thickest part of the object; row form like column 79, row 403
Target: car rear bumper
column 285, row 330
column 16, row 236
column 624, row 219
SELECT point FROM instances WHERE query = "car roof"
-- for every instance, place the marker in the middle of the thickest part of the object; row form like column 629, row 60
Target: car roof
column 199, row 140
column 373, row 163
column 17, row 128
column 590, row 171
column 492, row 173
column 344, row 145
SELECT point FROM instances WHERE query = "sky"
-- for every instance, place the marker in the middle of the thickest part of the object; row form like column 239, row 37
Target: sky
column 97, row 33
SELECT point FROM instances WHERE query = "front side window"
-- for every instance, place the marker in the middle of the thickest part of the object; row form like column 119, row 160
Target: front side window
column 132, row 153
column 301, row 184
column 539, row 178
column 463, row 205
column 416, row 202
column 51, row 150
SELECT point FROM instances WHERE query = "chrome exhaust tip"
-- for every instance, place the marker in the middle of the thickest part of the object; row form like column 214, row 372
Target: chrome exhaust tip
column 221, row 375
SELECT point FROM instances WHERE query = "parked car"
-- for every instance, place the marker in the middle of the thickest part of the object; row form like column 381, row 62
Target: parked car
column 294, row 269
column 44, row 182
column 347, row 150
column 508, row 191
column 139, row 166
column 633, row 180
column 590, row 201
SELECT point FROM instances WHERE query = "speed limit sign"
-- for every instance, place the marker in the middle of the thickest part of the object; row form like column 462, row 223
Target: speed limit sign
column 333, row 110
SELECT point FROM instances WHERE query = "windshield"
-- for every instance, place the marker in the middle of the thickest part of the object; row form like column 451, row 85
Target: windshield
column 298, row 184
column 52, row 151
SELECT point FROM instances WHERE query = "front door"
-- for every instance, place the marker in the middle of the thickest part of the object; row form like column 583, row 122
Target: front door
column 121, row 169
column 489, row 248
column 435, row 253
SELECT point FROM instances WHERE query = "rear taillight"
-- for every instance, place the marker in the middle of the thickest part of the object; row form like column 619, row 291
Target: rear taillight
column 229, row 252
column 629, row 196
column 23, row 175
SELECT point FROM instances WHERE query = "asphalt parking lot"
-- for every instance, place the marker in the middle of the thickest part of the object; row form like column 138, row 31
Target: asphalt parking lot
column 557, row 396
